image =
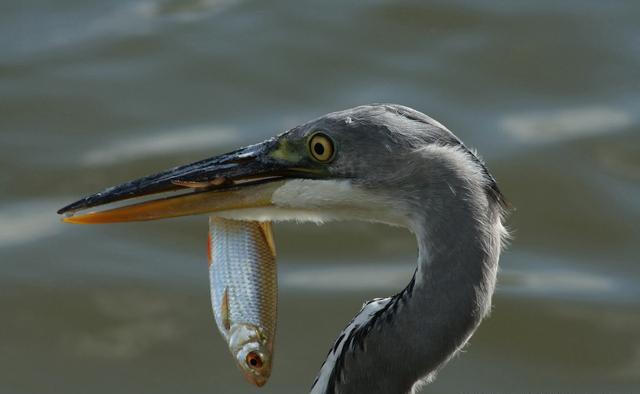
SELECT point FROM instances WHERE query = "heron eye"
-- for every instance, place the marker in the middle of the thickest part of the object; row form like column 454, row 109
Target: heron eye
column 321, row 147
column 254, row 360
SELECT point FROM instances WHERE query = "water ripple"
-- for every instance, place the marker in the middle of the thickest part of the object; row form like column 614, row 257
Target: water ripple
column 562, row 282
column 28, row 221
column 155, row 144
column 565, row 124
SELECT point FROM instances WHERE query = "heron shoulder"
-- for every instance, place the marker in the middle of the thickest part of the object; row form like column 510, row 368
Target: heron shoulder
column 331, row 368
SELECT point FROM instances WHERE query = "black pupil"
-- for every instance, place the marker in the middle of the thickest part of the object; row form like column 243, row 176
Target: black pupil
column 318, row 148
column 253, row 362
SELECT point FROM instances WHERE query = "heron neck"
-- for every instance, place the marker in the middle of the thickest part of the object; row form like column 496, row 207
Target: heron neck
column 411, row 335
column 453, row 285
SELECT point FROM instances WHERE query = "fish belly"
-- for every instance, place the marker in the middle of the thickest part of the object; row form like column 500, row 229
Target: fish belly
column 242, row 274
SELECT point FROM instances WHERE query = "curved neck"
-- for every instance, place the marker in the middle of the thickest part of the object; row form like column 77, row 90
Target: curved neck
column 396, row 343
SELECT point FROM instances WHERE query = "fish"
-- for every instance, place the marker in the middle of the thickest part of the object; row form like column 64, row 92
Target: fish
column 244, row 292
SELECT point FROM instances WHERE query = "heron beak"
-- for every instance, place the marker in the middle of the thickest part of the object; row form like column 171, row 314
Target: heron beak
column 245, row 178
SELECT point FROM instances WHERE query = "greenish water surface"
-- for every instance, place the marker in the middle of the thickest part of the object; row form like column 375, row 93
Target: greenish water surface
column 93, row 93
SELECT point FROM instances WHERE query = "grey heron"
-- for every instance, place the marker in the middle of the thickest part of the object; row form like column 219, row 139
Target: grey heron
column 380, row 163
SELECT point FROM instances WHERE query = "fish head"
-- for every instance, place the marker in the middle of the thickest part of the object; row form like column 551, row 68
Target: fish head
column 253, row 352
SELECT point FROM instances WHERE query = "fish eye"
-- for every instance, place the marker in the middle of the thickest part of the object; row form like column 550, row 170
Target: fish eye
column 321, row 147
column 254, row 360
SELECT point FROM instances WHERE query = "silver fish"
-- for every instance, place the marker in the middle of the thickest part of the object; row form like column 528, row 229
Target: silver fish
column 244, row 292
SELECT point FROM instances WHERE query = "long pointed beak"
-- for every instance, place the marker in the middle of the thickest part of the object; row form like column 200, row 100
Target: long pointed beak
column 245, row 178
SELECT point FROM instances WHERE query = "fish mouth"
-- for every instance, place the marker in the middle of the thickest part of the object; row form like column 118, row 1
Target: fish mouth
column 254, row 379
column 244, row 178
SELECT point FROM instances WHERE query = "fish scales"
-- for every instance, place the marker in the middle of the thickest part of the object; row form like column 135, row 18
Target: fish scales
column 243, row 279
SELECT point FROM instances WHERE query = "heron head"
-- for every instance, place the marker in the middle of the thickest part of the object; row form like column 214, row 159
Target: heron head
column 353, row 164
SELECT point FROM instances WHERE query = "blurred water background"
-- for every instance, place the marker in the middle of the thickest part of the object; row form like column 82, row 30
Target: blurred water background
column 93, row 93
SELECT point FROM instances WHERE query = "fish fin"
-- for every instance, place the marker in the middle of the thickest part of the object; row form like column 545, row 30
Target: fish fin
column 209, row 251
column 224, row 309
column 267, row 232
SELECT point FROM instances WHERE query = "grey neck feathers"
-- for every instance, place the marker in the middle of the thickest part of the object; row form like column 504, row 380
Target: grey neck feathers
column 396, row 344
